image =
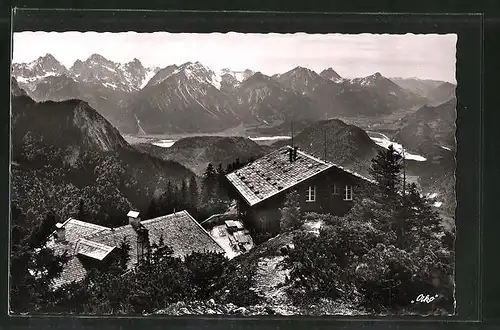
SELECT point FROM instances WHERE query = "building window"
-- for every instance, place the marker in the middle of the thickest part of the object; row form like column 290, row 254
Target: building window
column 336, row 189
column 348, row 193
column 311, row 194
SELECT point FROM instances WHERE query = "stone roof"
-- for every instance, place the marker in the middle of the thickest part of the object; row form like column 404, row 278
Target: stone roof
column 75, row 230
column 274, row 173
column 180, row 231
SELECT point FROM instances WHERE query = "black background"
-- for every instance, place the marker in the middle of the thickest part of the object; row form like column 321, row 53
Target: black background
column 478, row 161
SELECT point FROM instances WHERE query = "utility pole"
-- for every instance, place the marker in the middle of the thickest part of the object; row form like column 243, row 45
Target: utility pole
column 404, row 171
column 325, row 143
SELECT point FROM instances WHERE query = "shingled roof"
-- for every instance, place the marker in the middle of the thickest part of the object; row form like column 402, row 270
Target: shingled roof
column 274, row 173
column 75, row 230
column 180, row 231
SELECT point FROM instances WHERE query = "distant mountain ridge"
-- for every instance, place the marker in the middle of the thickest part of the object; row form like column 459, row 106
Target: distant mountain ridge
column 96, row 68
column 193, row 98
column 436, row 91
column 197, row 152
column 430, row 128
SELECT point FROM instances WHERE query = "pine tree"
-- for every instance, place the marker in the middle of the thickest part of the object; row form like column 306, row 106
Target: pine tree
column 209, row 184
column 237, row 164
column 193, row 195
column 82, row 214
column 166, row 199
column 176, row 198
column 184, row 196
column 382, row 203
column 33, row 266
column 221, row 183
column 152, row 210
column 220, row 170
column 386, row 169
column 422, row 221
column 124, row 253
column 290, row 212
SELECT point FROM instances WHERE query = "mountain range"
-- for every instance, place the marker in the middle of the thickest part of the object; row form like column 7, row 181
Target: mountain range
column 193, row 98
column 435, row 91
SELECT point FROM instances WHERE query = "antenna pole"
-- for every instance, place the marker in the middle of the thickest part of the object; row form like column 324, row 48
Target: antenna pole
column 325, row 143
column 292, row 132
column 404, row 171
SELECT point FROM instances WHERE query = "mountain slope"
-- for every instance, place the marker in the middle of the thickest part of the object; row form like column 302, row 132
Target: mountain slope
column 56, row 88
column 332, row 75
column 429, row 129
column 376, row 95
column 322, row 91
column 263, row 99
column 187, row 100
column 346, row 145
column 28, row 74
column 422, row 87
column 442, row 93
column 64, row 152
column 197, row 152
column 15, row 89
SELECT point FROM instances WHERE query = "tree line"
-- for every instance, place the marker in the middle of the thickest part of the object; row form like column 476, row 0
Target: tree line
column 213, row 195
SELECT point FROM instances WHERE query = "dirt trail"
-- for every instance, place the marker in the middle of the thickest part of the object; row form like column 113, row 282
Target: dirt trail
column 268, row 278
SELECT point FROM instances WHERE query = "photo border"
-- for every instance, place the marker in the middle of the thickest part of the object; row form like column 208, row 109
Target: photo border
column 469, row 28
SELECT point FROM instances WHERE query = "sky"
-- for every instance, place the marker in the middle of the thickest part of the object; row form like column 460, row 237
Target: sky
column 430, row 56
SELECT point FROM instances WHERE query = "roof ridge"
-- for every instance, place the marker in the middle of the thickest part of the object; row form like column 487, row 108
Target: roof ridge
column 85, row 223
column 97, row 244
column 148, row 221
column 312, row 157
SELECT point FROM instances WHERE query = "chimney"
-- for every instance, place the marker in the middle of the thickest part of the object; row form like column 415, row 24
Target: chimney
column 142, row 235
column 60, row 232
column 290, row 153
column 133, row 218
column 295, row 153
column 142, row 243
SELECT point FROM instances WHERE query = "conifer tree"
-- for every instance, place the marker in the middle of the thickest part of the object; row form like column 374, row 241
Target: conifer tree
column 166, row 199
column 82, row 214
column 152, row 211
column 422, row 221
column 290, row 212
column 176, row 198
column 382, row 203
column 193, row 191
column 193, row 195
column 33, row 266
column 209, row 184
column 124, row 253
column 386, row 169
column 184, row 196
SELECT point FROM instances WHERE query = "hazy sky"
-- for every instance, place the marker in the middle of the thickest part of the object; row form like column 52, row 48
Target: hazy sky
column 424, row 56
